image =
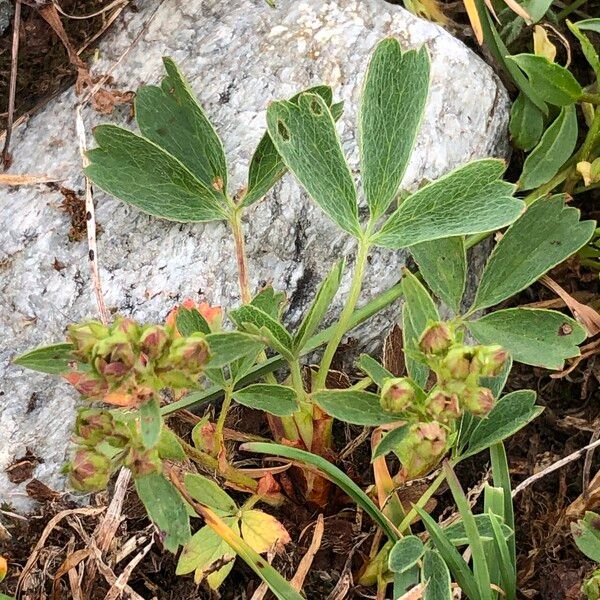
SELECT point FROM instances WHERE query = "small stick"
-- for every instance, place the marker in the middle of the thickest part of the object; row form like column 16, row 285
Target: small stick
column 307, row 560
column 90, row 222
column 14, row 63
column 557, row 465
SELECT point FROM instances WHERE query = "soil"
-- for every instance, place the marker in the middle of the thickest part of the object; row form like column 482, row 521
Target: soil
column 550, row 566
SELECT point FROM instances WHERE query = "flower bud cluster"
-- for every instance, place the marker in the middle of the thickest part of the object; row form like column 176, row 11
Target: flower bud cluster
column 431, row 414
column 123, row 363
column 106, row 440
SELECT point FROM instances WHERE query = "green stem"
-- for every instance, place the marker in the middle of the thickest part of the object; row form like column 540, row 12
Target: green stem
column 199, row 398
column 240, row 254
column 421, row 502
column 344, row 323
column 591, row 142
column 221, row 420
column 590, row 98
column 211, row 465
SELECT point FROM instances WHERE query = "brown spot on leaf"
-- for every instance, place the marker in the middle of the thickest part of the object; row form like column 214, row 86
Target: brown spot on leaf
column 565, row 329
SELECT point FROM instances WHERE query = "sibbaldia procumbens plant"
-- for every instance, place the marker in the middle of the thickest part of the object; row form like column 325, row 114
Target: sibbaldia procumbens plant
column 447, row 402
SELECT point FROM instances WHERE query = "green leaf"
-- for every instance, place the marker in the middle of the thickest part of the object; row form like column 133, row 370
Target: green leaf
column 390, row 441
column 417, row 370
column 305, row 137
column 354, row 406
column 150, row 422
column 457, row 565
column 320, row 305
column 511, row 413
column 586, row 533
column 227, row 346
column 538, row 337
column 277, row 584
column 267, row 166
column 53, row 359
column 505, row 564
column 169, row 447
column 208, row 493
column 270, row 301
column 141, row 173
column 526, row 123
column 166, row 509
column 191, row 321
column 423, row 310
column 546, row 235
column 171, row 117
column 277, row 400
column 443, row 265
column 471, row 199
column 203, row 550
column 436, row 577
column 589, row 25
column 555, row 83
column 377, row 372
column 536, row 8
column 586, row 47
column 391, row 110
column 257, row 321
column 332, row 473
column 405, row 554
column 553, row 151
column 458, row 536
column 480, row 568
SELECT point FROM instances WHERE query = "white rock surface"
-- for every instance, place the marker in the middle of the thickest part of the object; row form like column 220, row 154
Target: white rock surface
column 238, row 55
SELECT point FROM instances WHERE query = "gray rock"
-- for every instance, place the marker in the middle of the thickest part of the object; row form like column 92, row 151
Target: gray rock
column 238, row 55
column 6, row 13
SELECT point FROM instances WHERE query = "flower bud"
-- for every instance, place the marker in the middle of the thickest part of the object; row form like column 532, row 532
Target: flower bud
column 189, row 354
column 87, row 384
column 115, row 356
column 436, row 339
column 128, row 327
column 443, row 406
column 85, row 335
column 143, row 462
column 478, row 401
column 89, row 471
column 421, row 448
column 458, row 363
column 153, row 341
column 492, row 359
column 93, row 425
column 397, row 394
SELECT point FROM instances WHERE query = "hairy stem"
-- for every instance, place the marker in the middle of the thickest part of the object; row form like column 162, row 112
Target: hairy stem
column 590, row 144
column 343, row 324
column 240, row 255
column 211, row 464
column 421, row 502
column 221, row 421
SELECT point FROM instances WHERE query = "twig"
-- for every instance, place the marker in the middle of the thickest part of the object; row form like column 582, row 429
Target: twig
column 119, row 586
column 587, row 465
column 90, row 221
column 557, row 465
column 307, row 560
column 14, row 62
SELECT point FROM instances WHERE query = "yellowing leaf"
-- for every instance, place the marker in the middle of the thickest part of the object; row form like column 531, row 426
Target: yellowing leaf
column 542, row 46
column 262, row 531
column 3, row 567
column 474, row 19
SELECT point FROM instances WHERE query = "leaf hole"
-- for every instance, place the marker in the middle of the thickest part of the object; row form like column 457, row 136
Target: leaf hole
column 315, row 108
column 283, row 131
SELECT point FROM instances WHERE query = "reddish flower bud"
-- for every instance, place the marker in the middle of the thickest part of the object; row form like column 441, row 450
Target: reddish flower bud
column 479, row 401
column 421, row 448
column 85, row 335
column 492, row 359
column 153, row 341
column 189, row 354
column 143, row 462
column 87, row 384
column 443, row 406
column 458, row 363
column 93, row 425
column 436, row 339
column 89, row 471
column 397, row 394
